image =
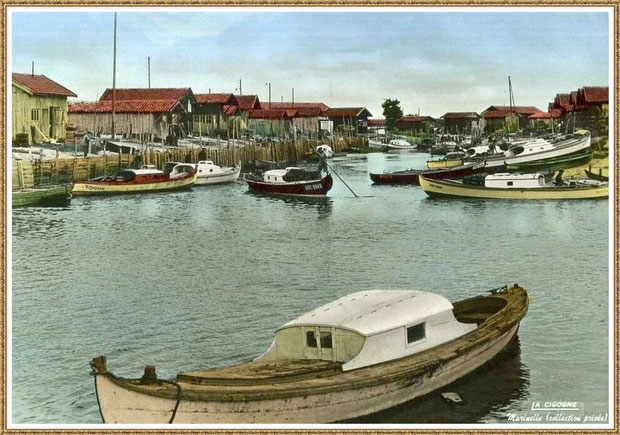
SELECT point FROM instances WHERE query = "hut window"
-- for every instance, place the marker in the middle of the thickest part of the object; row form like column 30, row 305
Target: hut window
column 310, row 339
column 35, row 115
column 326, row 340
column 415, row 333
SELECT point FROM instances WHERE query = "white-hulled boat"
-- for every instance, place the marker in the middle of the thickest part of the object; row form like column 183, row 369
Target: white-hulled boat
column 400, row 144
column 210, row 173
column 360, row 354
column 181, row 176
column 541, row 150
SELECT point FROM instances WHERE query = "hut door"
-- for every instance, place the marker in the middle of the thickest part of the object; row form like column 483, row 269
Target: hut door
column 312, row 342
column 53, row 121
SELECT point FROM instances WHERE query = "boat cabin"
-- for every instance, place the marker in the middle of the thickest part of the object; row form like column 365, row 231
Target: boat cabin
column 206, row 167
column 515, row 181
column 129, row 175
column 535, row 146
column 169, row 166
column 369, row 327
column 181, row 170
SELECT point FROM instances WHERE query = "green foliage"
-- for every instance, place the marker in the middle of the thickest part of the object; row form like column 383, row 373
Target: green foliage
column 392, row 112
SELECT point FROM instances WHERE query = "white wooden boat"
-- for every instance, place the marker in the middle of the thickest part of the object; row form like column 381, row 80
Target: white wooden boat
column 541, row 150
column 360, row 354
column 400, row 144
column 210, row 173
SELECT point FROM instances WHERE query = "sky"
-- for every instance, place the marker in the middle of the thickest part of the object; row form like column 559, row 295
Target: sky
column 432, row 62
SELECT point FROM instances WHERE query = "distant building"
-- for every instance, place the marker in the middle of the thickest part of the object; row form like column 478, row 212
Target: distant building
column 511, row 122
column 418, row 124
column 270, row 122
column 544, row 120
column 349, row 119
column 459, row 122
column 376, row 126
column 209, row 113
column 587, row 107
column 39, row 111
column 307, row 117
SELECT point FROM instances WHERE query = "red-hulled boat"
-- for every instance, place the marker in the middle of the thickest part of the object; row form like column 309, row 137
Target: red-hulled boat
column 410, row 176
column 291, row 181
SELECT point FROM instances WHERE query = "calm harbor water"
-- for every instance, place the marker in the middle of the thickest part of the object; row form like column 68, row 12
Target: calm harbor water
column 203, row 278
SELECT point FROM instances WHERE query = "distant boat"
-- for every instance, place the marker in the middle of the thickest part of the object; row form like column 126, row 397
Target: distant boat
column 210, row 173
column 514, row 186
column 552, row 164
column 42, row 196
column 365, row 150
column 362, row 353
column 182, row 176
column 291, row 181
column 454, row 158
column 411, row 176
column 596, row 176
column 399, row 144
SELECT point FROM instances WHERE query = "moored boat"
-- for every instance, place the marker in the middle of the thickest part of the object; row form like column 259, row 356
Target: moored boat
column 410, row 176
column 514, row 186
column 399, row 144
column 365, row 150
column 210, row 173
column 552, row 164
column 451, row 160
column 182, row 176
column 42, row 196
column 291, row 181
column 360, row 354
column 597, row 175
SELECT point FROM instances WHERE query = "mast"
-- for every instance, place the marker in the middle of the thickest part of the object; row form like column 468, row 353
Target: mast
column 512, row 99
column 114, row 78
column 148, row 59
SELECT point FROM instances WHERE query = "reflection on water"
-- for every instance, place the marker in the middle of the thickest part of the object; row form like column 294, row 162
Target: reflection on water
column 202, row 278
column 489, row 389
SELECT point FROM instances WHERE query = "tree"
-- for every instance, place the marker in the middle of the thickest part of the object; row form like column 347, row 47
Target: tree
column 392, row 113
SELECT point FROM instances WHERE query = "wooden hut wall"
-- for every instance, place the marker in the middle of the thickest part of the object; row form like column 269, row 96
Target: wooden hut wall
column 51, row 116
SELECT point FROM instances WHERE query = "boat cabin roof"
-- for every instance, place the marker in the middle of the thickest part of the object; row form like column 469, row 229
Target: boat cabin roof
column 281, row 172
column 206, row 162
column 145, row 171
column 514, row 176
column 374, row 311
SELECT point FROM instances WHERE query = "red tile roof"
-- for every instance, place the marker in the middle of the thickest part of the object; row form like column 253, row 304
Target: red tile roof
column 215, row 99
column 268, row 114
column 413, row 118
column 496, row 114
column 230, row 109
column 460, row 115
column 145, row 94
column 248, row 102
column 522, row 110
column 376, row 122
column 124, row 106
column 596, row 95
column 41, row 85
column 562, row 101
column 301, row 105
column 545, row 115
column 347, row 112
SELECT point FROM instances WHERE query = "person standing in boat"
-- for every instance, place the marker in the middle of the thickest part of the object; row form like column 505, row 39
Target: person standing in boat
column 558, row 178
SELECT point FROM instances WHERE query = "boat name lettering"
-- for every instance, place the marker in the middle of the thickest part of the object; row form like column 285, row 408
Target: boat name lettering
column 313, row 186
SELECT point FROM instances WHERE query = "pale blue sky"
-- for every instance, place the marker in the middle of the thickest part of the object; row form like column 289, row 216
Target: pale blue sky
column 434, row 61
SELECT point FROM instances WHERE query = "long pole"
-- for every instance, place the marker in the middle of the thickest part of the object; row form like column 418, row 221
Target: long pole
column 339, row 177
column 149, row 66
column 293, row 95
column 240, row 88
column 114, row 80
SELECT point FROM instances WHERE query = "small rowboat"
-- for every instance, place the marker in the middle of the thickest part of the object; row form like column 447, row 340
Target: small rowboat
column 365, row 150
column 515, row 186
column 182, row 176
column 42, row 196
column 365, row 352
column 291, row 181
column 596, row 175
column 411, row 176
column 554, row 164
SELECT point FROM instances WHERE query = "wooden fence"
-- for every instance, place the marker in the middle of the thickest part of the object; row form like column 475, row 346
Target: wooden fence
column 40, row 172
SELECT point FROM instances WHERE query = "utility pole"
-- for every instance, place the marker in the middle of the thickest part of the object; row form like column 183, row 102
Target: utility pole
column 240, row 88
column 114, row 79
column 269, row 84
column 293, row 95
column 149, row 68
column 33, row 68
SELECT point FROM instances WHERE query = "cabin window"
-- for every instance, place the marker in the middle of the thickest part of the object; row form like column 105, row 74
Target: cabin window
column 326, row 340
column 35, row 115
column 509, row 183
column 310, row 339
column 415, row 333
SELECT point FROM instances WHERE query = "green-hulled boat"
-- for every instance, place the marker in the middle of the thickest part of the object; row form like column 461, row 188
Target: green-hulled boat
column 365, row 150
column 43, row 196
column 553, row 164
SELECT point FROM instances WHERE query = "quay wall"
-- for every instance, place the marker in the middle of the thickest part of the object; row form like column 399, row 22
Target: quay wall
column 41, row 172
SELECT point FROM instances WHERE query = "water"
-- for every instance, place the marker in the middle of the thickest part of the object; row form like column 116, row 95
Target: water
column 202, row 278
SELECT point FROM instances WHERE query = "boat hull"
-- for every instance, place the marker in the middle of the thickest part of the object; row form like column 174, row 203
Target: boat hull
column 445, row 189
column 58, row 195
column 412, row 177
column 600, row 176
column 120, row 405
column 111, row 188
column 553, row 164
column 228, row 177
column 314, row 188
column 335, row 396
column 443, row 164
